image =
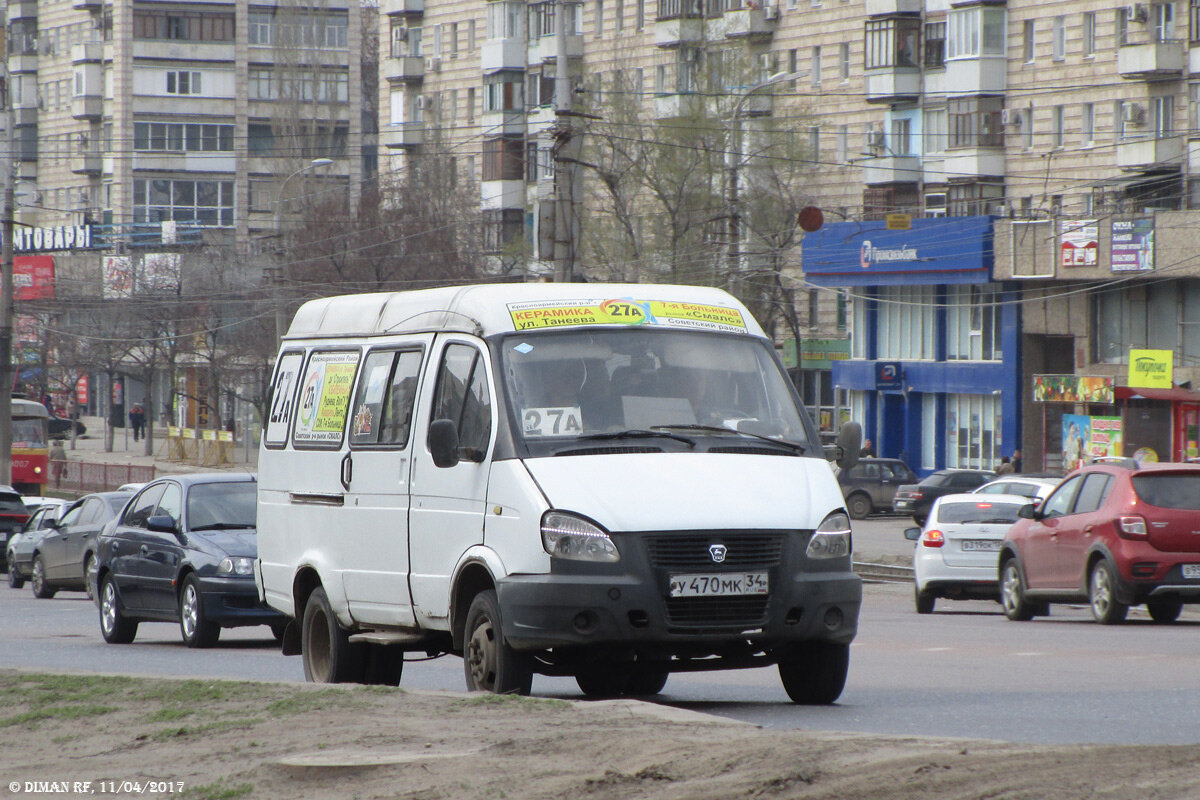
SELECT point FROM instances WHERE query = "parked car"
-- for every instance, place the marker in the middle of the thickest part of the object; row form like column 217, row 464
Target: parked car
column 957, row 550
column 19, row 552
column 60, row 427
column 917, row 499
column 13, row 515
column 183, row 551
column 1112, row 535
column 870, row 484
column 65, row 556
column 1026, row 486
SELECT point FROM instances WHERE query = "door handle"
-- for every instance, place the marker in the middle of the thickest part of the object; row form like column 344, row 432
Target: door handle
column 144, row 550
column 347, row 472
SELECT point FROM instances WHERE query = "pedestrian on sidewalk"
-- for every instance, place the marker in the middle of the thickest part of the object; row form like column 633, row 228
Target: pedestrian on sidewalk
column 137, row 420
column 58, row 462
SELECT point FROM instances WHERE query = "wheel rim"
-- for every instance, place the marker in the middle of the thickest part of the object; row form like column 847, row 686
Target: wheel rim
column 38, row 576
column 1101, row 591
column 190, row 611
column 108, row 607
column 481, row 655
column 89, row 571
column 317, row 646
column 1010, row 589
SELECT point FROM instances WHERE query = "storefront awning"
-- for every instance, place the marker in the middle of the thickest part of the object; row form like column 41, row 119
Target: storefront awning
column 1139, row 393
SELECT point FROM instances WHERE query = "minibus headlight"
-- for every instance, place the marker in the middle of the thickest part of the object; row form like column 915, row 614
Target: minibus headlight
column 571, row 537
column 832, row 537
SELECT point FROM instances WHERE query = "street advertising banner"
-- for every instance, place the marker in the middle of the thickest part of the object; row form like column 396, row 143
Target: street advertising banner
column 1133, row 245
column 117, row 277
column 1079, row 242
column 1086, row 438
column 33, row 277
column 1106, row 437
column 1072, row 389
column 1151, row 369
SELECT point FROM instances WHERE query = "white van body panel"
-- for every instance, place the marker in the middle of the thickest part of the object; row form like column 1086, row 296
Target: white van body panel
column 690, row 491
column 514, row 517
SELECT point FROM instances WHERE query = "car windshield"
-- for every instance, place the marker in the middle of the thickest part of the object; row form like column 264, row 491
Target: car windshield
column 567, row 385
column 11, row 503
column 29, row 433
column 1169, row 490
column 977, row 512
column 222, row 506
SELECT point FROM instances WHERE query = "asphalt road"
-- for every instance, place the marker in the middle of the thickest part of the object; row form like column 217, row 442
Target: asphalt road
column 964, row 671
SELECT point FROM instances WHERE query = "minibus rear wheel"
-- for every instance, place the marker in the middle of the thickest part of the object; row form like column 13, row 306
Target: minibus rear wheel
column 328, row 655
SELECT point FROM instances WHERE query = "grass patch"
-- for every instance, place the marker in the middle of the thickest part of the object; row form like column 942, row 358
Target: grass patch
column 185, row 731
column 489, row 699
column 316, row 700
column 196, row 693
column 221, row 790
column 36, row 715
column 169, row 714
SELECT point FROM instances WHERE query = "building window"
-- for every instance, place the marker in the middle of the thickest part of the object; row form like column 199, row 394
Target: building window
column 814, row 143
column 901, row 144
column 973, row 323
column 1164, row 113
column 1147, row 316
column 935, row 44
column 973, row 431
column 182, row 137
column 891, row 43
column 1089, row 34
column 505, row 19
column 1058, row 33
column 1194, row 106
column 1028, row 41
column 208, row 203
column 976, row 31
column 599, row 18
column 1194, row 22
column 843, row 143
column 192, row 26
column 973, row 199
column 502, row 92
column 907, row 321
column 1057, row 125
column 844, row 61
column 501, row 227
column 1087, row 124
column 1120, row 27
column 936, row 133
column 1164, row 21
column 504, row 158
column 815, row 66
column 183, row 82
column 976, row 122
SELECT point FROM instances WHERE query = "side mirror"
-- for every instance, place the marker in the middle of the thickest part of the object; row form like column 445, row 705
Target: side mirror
column 162, row 523
column 912, row 534
column 849, row 444
column 443, row 442
column 1028, row 511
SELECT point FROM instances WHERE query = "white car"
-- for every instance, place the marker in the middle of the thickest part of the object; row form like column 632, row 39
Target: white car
column 957, row 551
column 1037, row 489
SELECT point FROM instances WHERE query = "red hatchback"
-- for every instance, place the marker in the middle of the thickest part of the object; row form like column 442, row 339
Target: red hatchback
column 1116, row 536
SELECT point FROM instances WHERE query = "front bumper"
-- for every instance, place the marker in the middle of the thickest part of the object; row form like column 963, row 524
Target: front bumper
column 233, row 602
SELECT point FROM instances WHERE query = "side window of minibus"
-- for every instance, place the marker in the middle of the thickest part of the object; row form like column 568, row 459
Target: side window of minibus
column 383, row 405
column 462, row 395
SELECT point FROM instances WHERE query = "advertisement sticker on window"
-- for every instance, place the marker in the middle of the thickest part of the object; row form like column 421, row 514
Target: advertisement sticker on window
column 324, row 398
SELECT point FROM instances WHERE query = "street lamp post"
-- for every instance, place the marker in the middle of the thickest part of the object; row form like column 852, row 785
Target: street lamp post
column 280, row 322
column 733, row 164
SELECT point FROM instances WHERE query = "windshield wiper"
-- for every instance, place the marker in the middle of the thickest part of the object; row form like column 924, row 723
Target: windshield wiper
column 795, row 446
column 223, row 526
column 637, row 433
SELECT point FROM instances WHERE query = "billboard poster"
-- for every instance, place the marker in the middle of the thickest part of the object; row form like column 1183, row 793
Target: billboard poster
column 1079, row 242
column 33, row 277
column 160, row 273
column 1133, row 245
column 1076, row 440
column 117, row 277
column 1072, row 389
column 1106, row 437
column 1152, row 369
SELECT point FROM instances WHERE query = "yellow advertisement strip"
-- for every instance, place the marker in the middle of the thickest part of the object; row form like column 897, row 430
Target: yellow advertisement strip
column 335, row 398
column 624, row 311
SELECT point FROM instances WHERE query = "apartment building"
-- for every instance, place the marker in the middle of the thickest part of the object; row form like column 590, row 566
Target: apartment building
column 128, row 114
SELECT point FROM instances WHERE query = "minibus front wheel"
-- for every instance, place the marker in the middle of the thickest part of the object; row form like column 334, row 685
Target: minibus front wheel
column 489, row 663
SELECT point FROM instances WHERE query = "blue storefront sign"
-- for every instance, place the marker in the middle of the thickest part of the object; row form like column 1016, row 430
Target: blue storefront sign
column 945, row 250
column 889, row 375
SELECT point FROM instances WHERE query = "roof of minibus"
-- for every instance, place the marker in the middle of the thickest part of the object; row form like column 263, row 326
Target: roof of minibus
column 501, row 308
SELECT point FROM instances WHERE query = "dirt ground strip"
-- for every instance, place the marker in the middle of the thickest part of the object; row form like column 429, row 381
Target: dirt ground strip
column 226, row 739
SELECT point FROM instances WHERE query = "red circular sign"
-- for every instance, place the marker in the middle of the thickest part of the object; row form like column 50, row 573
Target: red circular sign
column 810, row 218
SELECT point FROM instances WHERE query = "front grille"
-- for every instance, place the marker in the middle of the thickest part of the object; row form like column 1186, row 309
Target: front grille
column 607, row 451
column 676, row 551
column 724, row 613
column 753, row 451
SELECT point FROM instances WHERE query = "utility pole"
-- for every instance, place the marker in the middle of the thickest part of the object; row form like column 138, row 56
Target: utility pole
column 564, row 164
column 6, row 286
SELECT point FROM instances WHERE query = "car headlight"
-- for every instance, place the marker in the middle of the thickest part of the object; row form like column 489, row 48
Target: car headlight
column 832, row 537
column 571, row 537
column 236, row 566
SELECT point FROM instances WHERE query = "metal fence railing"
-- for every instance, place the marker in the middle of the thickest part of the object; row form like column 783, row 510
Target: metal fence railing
column 83, row 476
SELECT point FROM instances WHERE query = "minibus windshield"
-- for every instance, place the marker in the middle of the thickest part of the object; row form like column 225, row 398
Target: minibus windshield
column 610, row 383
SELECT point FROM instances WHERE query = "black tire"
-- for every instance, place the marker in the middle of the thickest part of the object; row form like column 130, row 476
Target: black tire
column 489, row 664
column 858, row 506
column 604, row 679
column 91, row 569
column 924, row 601
column 384, row 665
column 647, row 679
column 1102, row 595
column 1164, row 612
column 328, row 655
column 115, row 627
column 197, row 630
column 920, row 520
column 42, row 589
column 15, row 579
column 814, row 673
column 1012, row 593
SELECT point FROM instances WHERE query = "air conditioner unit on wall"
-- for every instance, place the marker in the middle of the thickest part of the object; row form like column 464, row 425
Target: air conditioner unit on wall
column 1133, row 113
column 1010, row 116
column 424, row 102
column 433, row 64
column 876, row 140
column 1136, row 12
column 771, row 11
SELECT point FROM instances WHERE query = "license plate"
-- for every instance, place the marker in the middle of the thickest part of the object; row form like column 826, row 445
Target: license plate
column 723, row 584
column 1191, row 571
column 980, row 545
column 901, row 504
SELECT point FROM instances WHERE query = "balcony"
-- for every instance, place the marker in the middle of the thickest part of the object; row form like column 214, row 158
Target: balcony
column 676, row 106
column 22, row 9
column 168, row 50
column 751, row 23
column 23, row 62
column 87, row 53
column 501, row 194
column 402, row 135
column 973, row 162
column 87, row 106
column 408, row 69
column 888, row 8
column 502, row 122
column 891, row 169
column 501, row 54
column 545, row 48
column 679, row 31
column 90, row 163
column 1154, row 61
column 1150, row 155
column 893, row 85
column 979, row 75
column 391, row 7
column 87, row 5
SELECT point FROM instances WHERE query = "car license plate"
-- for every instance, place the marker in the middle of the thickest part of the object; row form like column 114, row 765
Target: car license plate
column 980, row 545
column 901, row 504
column 724, row 584
column 1191, row 571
